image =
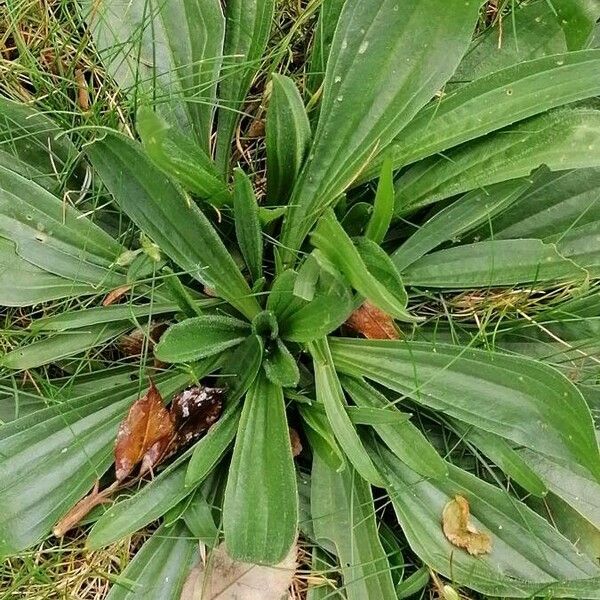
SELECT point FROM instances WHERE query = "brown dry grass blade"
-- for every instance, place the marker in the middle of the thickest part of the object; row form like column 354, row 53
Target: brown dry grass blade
column 460, row 531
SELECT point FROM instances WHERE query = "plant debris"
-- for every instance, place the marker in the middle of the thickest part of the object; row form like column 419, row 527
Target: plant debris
column 460, row 531
column 373, row 323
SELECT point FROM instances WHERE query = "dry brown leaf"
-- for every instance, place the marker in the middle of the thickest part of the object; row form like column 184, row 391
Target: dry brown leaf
column 82, row 508
column 115, row 295
column 144, row 435
column 194, row 410
column 373, row 323
column 132, row 344
column 223, row 578
column 295, row 442
column 83, row 95
column 460, row 531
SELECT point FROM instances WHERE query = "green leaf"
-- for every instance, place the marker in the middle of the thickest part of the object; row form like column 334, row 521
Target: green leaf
column 367, row 415
column 159, row 209
column 287, row 138
column 260, row 510
column 51, row 458
column 531, row 31
column 54, row 236
column 167, row 52
column 495, row 101
column 329, row 15
column 181, row 158
column 280, row 366
column 516, row 398
column 24, row 284
column 366, row 102
column 577, row 19
column 404, row 439
column 319, row 434
column 246, row 35
column 493, row 263
column 162, row 563
column 330, row 238
column 36, row 141
column 302, row 321
column 247, row 224
column 552, row 205
column 562, row 139
column 472, row 209
column 507, row 458
column 330, row 394
column 61, row 345
column 528, row 556
column 383, row 208
column 199, row 519
column 413, row 584
column 343, row 514
column 580, row 245
column 200, row 337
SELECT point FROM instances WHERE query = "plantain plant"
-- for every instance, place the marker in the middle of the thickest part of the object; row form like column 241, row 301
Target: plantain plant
column 417, row 179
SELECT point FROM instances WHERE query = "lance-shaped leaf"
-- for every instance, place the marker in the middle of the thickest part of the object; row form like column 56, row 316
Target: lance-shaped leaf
column 260, row 509
column 494, row 263
column 577, row 19
column 516, row 398
column 580, row 244
column 24, row 284
column 200, row 337
column 246, row 36
column 54, row 236
column 528, row 556
column 561, row 140
column 159, row 209
column 383, row 207
column 180, row 157
column 372, row 281
column 169, row 52
column 161, row 563
column 287, row 138
column 495, row 101
column 343, row 514
column 52, row 457
column 330, row 394
column 459, row 217
column 404, row 439
column 247, row 224
column 367, row 102
column 552, row 205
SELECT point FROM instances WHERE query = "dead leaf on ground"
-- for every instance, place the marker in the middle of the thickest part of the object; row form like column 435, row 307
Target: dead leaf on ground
column 132, row 344
column 115, row 295
column 460, row 531
column 194, row 410
column 82, row 508
column 373, row 323
column 295, row 442
column 144, row 435
column 223, row 578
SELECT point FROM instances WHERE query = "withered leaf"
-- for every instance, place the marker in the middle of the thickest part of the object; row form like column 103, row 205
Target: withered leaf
column 373, row 323
column 144, row 435
column 132, row 344
column 115, row 295
column 295, row 442
column 193, row 411
column 82, row 508
column 460, row 531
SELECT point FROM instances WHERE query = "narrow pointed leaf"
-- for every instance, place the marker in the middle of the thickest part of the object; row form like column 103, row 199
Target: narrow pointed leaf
column 494, row 263
column 287, row 138
column 383, row 208
column 366, row 103
column 330, row 394
column 516, row 398
column 247, row 224
column 404, row 439
column 159, row 209
column 260, row 509
column 162, row 563
column 248, row 26
column 563, row 139
column 171, row 52
column 343, row 514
